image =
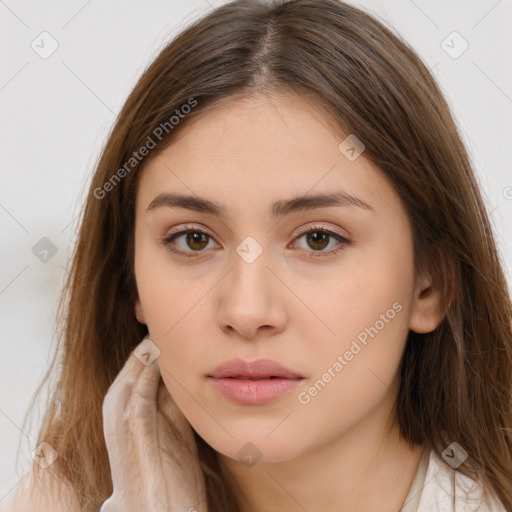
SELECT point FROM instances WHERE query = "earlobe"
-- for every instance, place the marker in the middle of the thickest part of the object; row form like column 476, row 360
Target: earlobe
column 426, row 312
column 139, row 312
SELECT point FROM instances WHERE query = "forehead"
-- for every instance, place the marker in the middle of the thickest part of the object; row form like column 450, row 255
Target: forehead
column 261, row 148
column 269, row 125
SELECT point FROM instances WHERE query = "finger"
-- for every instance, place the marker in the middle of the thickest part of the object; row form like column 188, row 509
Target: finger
column 135, row 374
column 147, row 379
column 119, row 392
column 135, row 379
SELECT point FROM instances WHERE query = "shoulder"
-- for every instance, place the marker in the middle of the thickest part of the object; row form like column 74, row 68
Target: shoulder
column 448, row 490
column 44, row 492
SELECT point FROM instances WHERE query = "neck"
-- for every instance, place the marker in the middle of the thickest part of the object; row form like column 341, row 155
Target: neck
column 365, row 469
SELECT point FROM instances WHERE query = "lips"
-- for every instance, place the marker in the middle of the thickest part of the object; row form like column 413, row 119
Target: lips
column 253, row 382
column 253, row 370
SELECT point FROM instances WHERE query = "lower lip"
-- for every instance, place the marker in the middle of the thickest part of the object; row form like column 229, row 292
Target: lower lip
column 254, row 392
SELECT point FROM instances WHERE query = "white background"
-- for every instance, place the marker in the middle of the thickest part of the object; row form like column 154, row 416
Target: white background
column 56, row 112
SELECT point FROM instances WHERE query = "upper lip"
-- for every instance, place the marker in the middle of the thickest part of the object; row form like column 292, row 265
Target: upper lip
column 259, row 369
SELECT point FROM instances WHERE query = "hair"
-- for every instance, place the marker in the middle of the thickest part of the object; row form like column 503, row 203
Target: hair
column 455, row 383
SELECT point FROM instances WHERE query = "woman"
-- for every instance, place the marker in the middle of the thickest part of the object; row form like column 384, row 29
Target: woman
column 285, row 293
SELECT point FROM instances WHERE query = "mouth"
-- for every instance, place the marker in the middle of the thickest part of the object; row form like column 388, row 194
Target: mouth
column 243, row 377
column 254, row 383
column 254, row 370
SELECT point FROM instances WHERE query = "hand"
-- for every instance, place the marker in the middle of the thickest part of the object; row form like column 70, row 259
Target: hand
column 151, row 446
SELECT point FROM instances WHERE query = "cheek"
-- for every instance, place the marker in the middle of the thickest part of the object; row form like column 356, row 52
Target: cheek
column 368, row 312
column 175, row 322
column 167, row 294
column 369, row 289
column 172, row 309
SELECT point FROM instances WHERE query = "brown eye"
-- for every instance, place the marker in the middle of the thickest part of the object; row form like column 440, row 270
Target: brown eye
column 197, row 240
column 188, row 242
column 318, row 240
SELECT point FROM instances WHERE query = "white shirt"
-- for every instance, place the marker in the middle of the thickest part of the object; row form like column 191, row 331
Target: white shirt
column 437, row 487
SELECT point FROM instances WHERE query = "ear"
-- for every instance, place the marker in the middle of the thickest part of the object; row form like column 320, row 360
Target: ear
column 427, row 311
column 139, row 311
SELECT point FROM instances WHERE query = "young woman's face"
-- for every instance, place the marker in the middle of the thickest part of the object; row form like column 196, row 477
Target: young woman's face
column 325, row 289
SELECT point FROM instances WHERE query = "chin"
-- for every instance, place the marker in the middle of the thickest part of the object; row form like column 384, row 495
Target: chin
column 251, row 449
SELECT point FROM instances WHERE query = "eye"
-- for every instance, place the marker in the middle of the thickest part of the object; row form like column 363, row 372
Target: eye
column 318, row 238
column 194, row 239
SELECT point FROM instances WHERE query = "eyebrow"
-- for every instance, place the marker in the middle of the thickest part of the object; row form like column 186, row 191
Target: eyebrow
column 279, row 208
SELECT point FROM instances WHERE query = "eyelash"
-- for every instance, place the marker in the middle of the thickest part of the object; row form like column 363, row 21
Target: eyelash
column 166, row 241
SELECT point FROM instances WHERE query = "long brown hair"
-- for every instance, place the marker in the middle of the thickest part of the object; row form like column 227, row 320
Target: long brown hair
column 456, row 382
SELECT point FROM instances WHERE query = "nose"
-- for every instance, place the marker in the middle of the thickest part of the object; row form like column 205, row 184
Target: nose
column 251, row 302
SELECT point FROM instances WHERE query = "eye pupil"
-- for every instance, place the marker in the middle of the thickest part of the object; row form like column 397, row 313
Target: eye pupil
column 194, row 237
column 317, row 237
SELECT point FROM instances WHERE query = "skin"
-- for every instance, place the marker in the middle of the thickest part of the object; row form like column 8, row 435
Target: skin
column 341, row 451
